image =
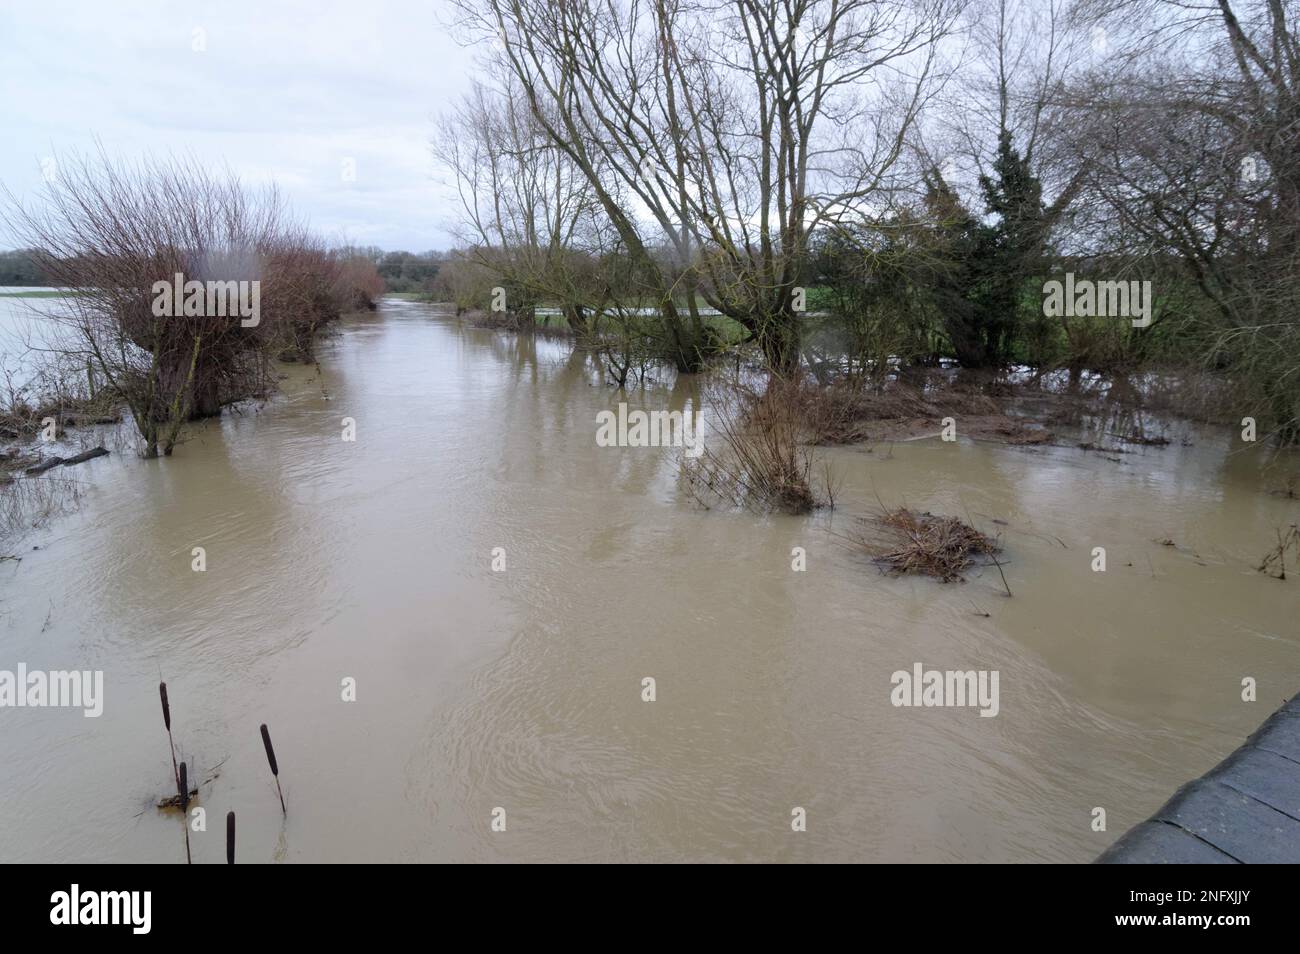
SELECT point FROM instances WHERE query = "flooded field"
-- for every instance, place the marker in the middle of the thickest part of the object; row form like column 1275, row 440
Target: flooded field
column 520, row 688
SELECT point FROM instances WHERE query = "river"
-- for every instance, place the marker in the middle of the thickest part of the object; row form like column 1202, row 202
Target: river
column 521, row 689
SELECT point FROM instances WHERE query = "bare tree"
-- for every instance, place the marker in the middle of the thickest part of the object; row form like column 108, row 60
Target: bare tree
column 528, row 215
column 1197, row 130
column 728, row 133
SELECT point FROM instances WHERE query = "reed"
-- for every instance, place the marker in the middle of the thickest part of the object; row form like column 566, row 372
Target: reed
column 275, row 769
column 185, row 809
column 167, row 721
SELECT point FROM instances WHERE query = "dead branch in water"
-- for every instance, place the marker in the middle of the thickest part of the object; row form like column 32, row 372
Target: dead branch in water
column 1276, row 557
column 904, row 541
column 51, row 462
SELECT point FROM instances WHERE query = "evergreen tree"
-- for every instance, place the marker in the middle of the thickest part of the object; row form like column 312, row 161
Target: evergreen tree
column 979, row 270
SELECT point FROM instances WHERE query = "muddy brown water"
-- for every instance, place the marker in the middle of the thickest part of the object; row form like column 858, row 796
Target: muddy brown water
column 522, row 689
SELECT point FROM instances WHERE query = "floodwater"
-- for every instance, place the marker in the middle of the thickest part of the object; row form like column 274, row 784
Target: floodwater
column 521, row 689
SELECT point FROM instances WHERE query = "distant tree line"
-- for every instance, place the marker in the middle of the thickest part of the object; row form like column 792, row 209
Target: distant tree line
column 404, row 272
column 401, row 271
column 21, row 267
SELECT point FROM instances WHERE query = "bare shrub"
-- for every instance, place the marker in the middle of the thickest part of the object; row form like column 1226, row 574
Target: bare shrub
column 308, row 292
column 466, row 282
column 763, row 463
column 359, row 286
column 110, row 230
column 625, row 347
column 51, row 385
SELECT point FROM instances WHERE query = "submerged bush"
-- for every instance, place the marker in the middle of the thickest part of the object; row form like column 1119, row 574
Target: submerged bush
column 764, row 462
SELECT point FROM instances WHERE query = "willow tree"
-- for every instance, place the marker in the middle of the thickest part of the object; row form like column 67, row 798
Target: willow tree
column 1199, row 146
column 725, row 134
column 115, row 232
column 527, row 213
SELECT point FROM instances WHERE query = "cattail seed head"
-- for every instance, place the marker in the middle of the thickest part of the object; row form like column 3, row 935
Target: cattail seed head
column 230, row 838
column 167, row 710
column 270, row 752
column 185, row 788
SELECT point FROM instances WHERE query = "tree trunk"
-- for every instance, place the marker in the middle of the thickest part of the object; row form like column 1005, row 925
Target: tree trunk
column 684, row 342
column 579, row 324
column 779, row 338
column 207, row 399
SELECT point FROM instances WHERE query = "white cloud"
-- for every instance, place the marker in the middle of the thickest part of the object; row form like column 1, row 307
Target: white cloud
column 282, row 92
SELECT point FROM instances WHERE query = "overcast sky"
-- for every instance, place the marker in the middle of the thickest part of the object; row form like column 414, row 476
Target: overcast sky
column 277, row 90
